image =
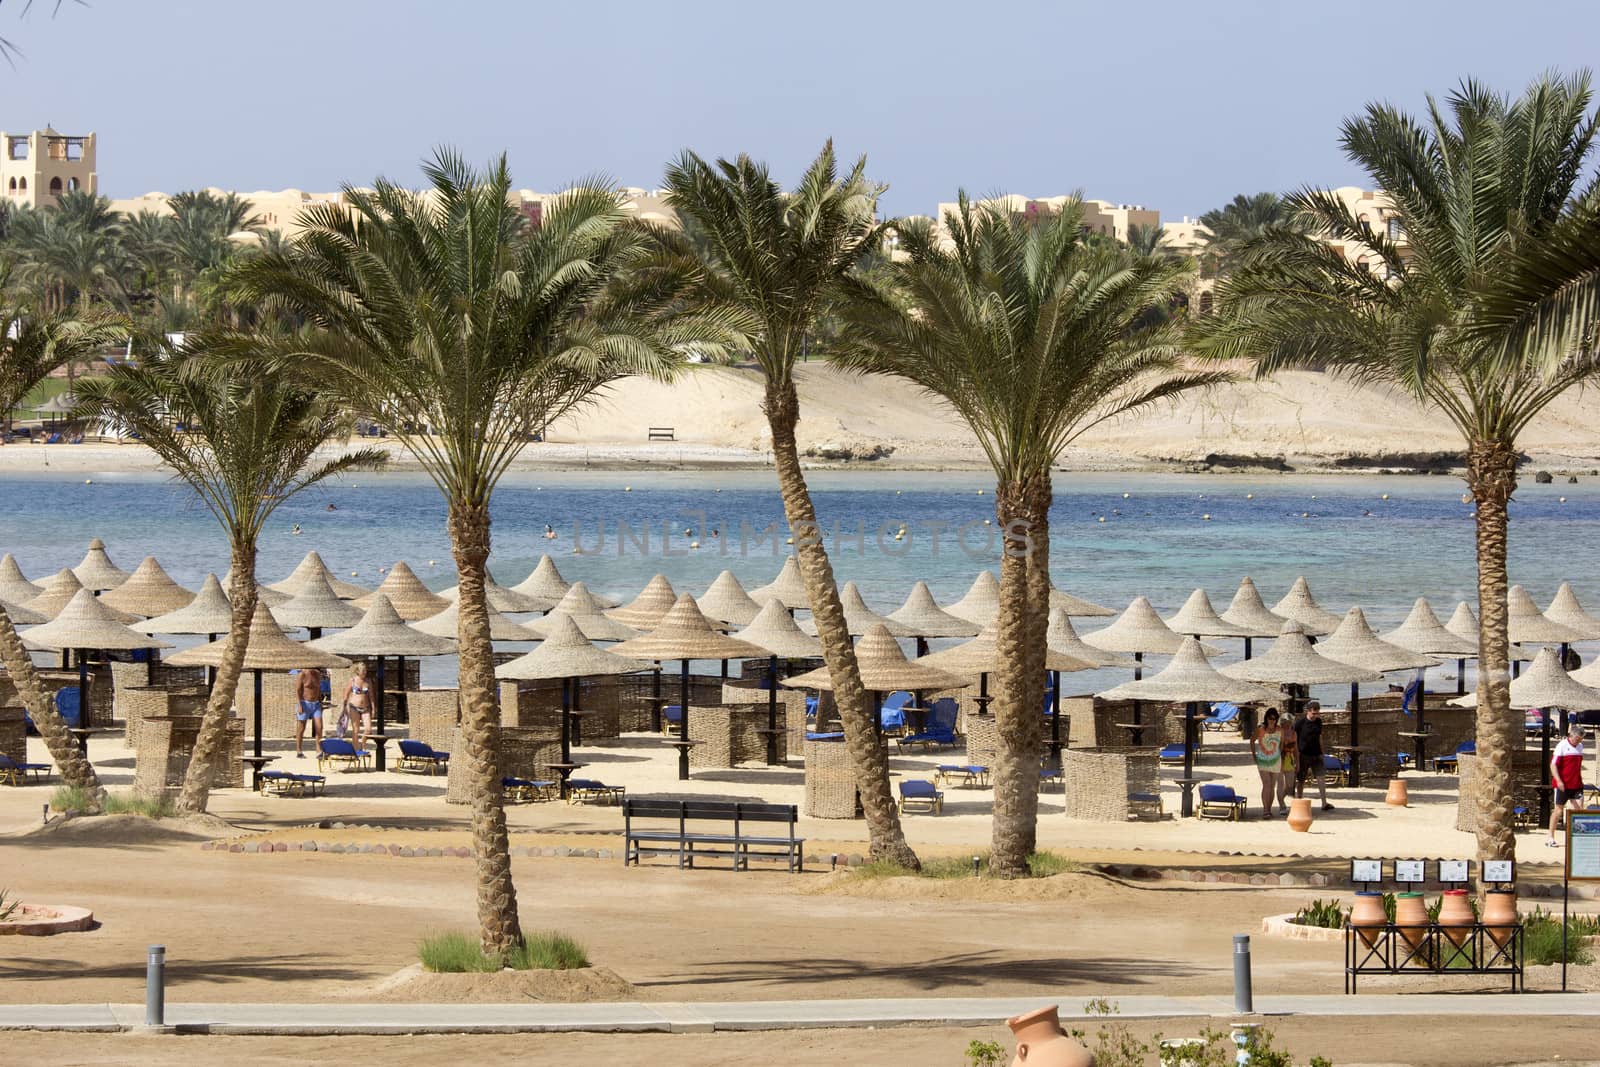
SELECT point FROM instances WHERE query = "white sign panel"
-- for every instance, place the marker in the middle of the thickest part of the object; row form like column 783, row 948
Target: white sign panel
column 1410, row 871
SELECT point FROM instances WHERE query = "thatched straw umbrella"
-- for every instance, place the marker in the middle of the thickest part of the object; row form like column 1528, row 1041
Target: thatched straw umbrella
column 1189, row 678
column 566, row 654
column 1197, row 618
column 148, row 592
column 267, row 650
column 96, row 571
column 508, row 601
column 59, row 590
column 1423, row 632
column 774, row 630
column 1527, row 625
column 381, row 633
column 448, row 621
column 1463, row 623
column 726, row 601
column 649, row 607
column 685, row 634
column 208, row 613
column 1249, row 612
column 411, row 600
column 981, row 605
column 1355, row 643
column 884, row 669
column 922, row 615
column 544, row 581
column 1063, row 638
column 270, row 597
column 980, row 657
column 1565, row 610
column 588, row 612
column 86, row 625
column 858, row 618
column 21, row 616
column 316, row 607
column 14, row 585
column 1138, row 630
column 311, row 567
column 788, row 588
column 1298, row 605
column 1077, row 606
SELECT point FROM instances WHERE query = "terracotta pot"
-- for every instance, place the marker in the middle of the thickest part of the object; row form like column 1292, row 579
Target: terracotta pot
column 1299, row 814
column 1500, row 914
column 1040, row 1042
column 1411, row 917
column 1397, row 794
column 1368, row 917
column 1455, row 916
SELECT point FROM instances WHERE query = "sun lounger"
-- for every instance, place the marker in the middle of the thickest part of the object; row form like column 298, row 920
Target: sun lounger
column 672, row 719
column 920, row 795
column 418, row 756
column 589, row 791
column 288, row 784
column 1336, row 768
column 338, row 750
column 1145, row 805
column 14, row 773
column 941, row 728
column 827, row 735
column 528, row 790
column 69, row 708
column 892, row 716
column 1172, row 755
column 968, row 774
column 1050, row 776
column 1223, row 715
column 1221, row 802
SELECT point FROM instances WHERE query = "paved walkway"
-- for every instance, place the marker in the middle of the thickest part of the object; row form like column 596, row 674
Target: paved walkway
column 681, row 1018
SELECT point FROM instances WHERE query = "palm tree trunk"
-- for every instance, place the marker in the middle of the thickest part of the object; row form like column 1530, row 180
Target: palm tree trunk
column 76, row 771
column 1022, row 509
column 500, row 929
column 868, row 756
column 1492, row 477
column 209, row 746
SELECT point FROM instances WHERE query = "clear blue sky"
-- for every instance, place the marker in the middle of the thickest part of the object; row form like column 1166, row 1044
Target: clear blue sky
column 1176, row 106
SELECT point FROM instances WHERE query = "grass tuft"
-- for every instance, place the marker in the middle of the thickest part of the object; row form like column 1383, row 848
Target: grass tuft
column 1541, row 938
column 459, row 953
column 1040, row 865
column 548, row 950
column 73, row 798
column 453, row 953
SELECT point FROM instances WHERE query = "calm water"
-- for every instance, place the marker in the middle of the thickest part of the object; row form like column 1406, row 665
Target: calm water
column 1354, row 546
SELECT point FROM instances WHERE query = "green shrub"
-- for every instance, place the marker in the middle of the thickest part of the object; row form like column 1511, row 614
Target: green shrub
column 453, row 953
column 1328, row 914
column 72, row 798
column 1541, row 938
column 459, row 953
column 985, row 1054
column 548, row 950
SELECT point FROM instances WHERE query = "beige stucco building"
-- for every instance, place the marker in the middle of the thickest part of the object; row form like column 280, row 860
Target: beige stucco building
column 37, row 167
column 1099, row 216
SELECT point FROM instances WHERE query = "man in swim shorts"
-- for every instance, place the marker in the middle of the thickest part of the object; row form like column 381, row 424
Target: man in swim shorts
column 308, row 692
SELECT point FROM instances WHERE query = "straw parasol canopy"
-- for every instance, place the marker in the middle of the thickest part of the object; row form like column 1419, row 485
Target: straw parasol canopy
column 60, row 404
column 858, row 618
column 544, row 581
column 1190, row 676
column 1423, row 632
column 1063, row 638
column 208, row 613
column 775, row 630
column 1526, row 624
column 726, row 601
column 316, row 607
column 1463, row 623
column 1292, row 659
column 21, row 616
column 981, row 655
column 1076, row 605
column 410, row 599
column 923, row 616
column 87, row 623
column 1544, row 685
column 1300, row 606
column 884, row 669
column 1249, row 612
column 445, row 624
column 649, row 607
column 788, row 588
column 311, row 567
column 270, row 597
column 982, row 602
column 1566, row 610
column 267, row 649
column 1589, row 676
column 149, row 591
column 60, row 590
column 1198, row 618
column 588, row 611
column 97, row 572
column 1137, row 629
column 502, row 599
column 14, row 585
column 566, row 653
column 684, row 633
column 381, row 632
column 1355, row 643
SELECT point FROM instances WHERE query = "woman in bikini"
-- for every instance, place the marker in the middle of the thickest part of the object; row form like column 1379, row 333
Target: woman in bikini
column 358, row 704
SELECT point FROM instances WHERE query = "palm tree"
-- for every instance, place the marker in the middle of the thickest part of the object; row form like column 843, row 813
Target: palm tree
column 34, row 344
column 1033, row 335
column 76, row 770
column 781, row 257
column 1148, row 241
column 441, row 318
column 1479, row 185
column 1242, row 219
column 252, row 437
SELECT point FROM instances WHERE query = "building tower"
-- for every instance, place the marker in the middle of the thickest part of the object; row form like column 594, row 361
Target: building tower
column 37, row 168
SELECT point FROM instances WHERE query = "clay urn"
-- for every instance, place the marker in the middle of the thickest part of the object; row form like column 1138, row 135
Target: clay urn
column 1411, row 917
column 1500, row 914
column 1397, row 794
column 1456, row 917
column 1040, row 1042
column 1299, row 814
column 1368, row 917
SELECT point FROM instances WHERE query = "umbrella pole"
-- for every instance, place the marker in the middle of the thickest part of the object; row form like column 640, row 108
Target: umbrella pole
column 401, row 700
column 83, row 691
column 1188, row 760
column 577, row 705
column 256, row 683
column 1055, row 715
column 377, row 712
column 1422, row 700
column 772, row 711
column 983, row 693
column 1355, row 734
column 655, row 699
column 683, row 735
column 211, row 672
column 1461, row 677
column 315, row 632
column 877, row 714
column 1544, row 767
column 381, row 695
column 922, row 646
column 1247, row 648
column 566, row 736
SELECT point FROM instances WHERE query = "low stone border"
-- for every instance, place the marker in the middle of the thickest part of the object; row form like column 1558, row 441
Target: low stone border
column 41, row 920
column 1285, row 926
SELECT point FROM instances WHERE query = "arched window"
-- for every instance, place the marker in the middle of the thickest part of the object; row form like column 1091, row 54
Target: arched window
column 55, row 186
column 23, row 185
column 13, row 185
column 72, row 184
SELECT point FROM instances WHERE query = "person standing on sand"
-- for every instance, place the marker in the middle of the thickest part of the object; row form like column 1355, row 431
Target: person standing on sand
column 357, row 703
column 1266, row 746
column 1566, row 776
column 1308, row 740
column 308, row 691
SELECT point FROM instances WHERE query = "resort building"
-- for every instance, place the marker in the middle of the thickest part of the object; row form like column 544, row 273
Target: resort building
column 36, row 168
column 1099, row 216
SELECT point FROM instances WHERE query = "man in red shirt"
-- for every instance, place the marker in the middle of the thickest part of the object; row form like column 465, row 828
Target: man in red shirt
column 1566, row 774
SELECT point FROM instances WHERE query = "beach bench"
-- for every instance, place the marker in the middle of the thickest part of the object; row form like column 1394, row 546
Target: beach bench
column 709, row 835
column 14, row 773
column 289, row 784
column 662, row 433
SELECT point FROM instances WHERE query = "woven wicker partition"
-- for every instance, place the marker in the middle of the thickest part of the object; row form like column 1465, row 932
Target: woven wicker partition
column 523, row 754
column 1381, row 722
column 729, row 734
column 149, row 702
column 1526, row 771
column 14, row 734
column 126, row 676
column 278, row 704
column 1100, row 782
column 791, row 707
column 434, row 715
column 163, row 759
column 830, row 785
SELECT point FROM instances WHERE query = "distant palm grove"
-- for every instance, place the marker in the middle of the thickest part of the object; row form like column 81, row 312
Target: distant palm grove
column 449, row 318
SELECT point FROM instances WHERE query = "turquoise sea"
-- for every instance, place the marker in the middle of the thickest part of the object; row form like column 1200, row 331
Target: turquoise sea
column 1376, row 541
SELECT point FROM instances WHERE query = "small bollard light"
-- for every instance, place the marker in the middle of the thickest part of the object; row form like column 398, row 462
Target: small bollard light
column 155, row 980
column 977, row 861
column 1243, row 998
